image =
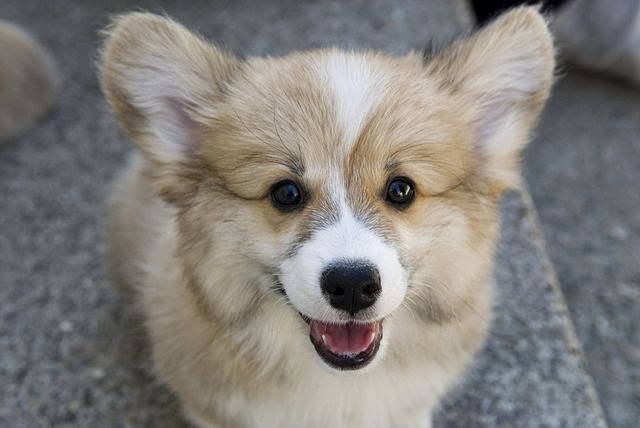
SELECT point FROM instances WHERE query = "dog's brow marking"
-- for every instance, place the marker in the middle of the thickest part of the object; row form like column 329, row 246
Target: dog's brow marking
column 356, row 90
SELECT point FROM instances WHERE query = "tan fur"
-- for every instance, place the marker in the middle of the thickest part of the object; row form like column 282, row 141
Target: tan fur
column 194, row 234
column 27, row 81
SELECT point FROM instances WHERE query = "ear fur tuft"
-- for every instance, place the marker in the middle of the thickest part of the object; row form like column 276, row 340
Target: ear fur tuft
column 504, row 72
column 162, row 81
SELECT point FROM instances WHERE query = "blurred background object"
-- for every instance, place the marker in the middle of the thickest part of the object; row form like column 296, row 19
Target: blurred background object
column 27, row 81
column 485, row 10
column 601, row 35
column 597, row 35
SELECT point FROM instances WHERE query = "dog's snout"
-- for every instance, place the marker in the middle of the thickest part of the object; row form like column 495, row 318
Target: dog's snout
column 352, row 286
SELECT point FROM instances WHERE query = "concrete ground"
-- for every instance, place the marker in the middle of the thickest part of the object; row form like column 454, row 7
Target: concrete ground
column 71, row 354
column 584, row 174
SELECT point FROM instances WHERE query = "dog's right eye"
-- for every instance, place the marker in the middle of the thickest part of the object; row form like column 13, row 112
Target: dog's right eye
column 286, row 195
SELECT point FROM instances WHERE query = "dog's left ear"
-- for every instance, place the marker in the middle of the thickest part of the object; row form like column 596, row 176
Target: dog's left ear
column 504, row 74
column 164, row 84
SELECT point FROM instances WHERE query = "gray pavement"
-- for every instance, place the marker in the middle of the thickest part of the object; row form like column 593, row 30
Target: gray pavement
column 72, row 354
column 584, row 175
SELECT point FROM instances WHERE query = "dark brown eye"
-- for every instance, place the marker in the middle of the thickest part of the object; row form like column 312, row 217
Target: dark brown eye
column 400, row 192
column 286, row 195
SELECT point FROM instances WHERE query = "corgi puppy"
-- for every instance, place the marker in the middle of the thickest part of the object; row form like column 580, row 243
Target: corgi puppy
column 310, row 238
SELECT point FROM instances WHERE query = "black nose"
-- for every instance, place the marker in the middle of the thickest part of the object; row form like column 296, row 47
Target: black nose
column 351, row 286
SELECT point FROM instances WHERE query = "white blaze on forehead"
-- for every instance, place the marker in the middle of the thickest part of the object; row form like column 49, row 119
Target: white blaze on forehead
column 357, row 89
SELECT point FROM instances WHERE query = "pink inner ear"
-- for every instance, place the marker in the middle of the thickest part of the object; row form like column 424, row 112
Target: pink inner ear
column 500, row 125
column 175, row 128
column 491, row 118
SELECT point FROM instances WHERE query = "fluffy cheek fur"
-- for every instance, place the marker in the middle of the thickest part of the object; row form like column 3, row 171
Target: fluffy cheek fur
column 451, row 265
column 228, row 249
column 231, row 248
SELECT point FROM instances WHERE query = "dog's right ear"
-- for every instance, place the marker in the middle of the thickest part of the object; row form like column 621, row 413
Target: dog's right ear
column 163, row 82
column 504, row 73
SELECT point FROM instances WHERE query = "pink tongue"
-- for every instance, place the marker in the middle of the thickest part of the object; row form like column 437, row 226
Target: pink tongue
column 345, row 338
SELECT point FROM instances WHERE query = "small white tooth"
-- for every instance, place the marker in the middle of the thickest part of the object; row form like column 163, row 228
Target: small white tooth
column 324, row 339
column 371, row 337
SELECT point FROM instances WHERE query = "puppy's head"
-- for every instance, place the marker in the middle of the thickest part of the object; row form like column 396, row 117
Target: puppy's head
column 334, row 189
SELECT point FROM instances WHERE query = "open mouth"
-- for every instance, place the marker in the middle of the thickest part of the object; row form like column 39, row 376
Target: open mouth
column 347, row 346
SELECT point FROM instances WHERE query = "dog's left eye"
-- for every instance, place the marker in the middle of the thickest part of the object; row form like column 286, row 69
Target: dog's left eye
column 400, row 192
column 286, row 195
